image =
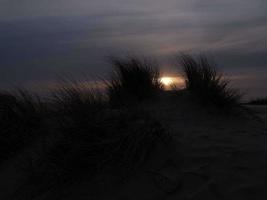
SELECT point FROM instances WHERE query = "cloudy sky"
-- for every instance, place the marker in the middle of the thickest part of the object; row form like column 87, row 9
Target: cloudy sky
column 40, row 40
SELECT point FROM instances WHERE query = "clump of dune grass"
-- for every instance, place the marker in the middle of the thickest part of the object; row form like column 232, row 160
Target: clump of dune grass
column 21, row 121
column 258, row 101
column 92, row 138
column 206, row 84
column 75, row 100
column 123, row 149
column 75, row 113
column 133, row 80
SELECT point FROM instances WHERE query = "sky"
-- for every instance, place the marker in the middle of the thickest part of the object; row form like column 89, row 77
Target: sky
column 42, row 40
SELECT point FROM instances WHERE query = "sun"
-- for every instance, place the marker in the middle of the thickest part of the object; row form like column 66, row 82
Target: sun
column 166, row 81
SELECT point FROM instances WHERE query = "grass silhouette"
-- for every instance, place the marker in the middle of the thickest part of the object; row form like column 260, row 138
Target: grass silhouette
column 77, row 104
column 206, row 84
column 133, row 80
column 120, row 142
column 21, row 121
column 92, row 137
column 77, row 111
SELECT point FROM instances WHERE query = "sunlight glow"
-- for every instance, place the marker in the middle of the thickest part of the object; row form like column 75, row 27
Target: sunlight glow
column 171, row 82
column 166, row 81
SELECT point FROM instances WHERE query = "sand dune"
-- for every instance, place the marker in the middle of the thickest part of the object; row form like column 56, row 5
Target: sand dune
column 211, row 158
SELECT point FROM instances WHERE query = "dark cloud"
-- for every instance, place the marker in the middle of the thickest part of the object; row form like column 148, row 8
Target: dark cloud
column 39, row 40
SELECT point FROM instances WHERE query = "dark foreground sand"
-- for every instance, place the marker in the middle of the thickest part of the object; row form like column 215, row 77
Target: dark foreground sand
column 211, row 158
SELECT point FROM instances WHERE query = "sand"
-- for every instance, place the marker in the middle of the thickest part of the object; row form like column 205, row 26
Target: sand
column 210, row 158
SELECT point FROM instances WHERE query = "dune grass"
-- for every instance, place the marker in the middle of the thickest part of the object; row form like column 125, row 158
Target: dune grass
column 133, row 80
column 206, row 84
column 92, row 137
column 83, row 117
column 77, row 102
column 84, row 136
column 76, row 111
column 21, row 121
column 120, row 142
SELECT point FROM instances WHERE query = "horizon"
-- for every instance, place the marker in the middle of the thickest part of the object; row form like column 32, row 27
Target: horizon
column 41, row 40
